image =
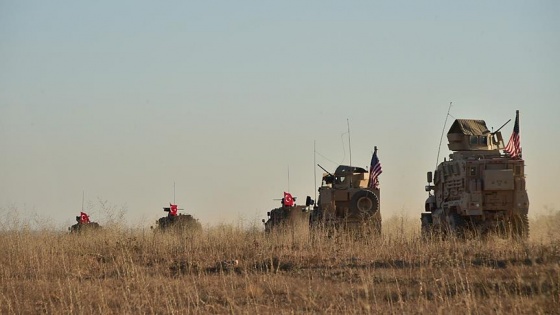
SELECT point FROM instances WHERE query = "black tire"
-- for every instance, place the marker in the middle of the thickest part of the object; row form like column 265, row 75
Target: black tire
column 427, row 225
column 316, row 218
column 364, row 203
column 456, row 225
column 520, row 226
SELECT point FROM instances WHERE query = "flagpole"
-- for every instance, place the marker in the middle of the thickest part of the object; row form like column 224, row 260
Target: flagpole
column 518, row 133
column 513, row 147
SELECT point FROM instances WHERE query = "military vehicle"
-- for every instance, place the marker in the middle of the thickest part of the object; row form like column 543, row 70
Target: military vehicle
column 289, row 216
column 175, row 221
column 479, row 189
column 347, row 201
column 83, row 224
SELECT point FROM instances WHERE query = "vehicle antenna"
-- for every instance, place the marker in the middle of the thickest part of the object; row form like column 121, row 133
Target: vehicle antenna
column 288, row 178
column 442, row 131
column 349, row 144
column 83, row 194
column 349, row 148
column 314, row 169
column 173, row 192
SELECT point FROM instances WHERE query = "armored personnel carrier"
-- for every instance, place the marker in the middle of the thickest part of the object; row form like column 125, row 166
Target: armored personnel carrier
column 83, row 224
column 347, row 200
column 289, row 215
column 175, row 221
column 479, row 189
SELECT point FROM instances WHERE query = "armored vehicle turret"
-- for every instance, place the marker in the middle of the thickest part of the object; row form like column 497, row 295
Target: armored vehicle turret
column 479, row 189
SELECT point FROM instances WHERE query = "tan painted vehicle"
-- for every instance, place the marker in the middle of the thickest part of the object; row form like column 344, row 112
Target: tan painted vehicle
column 479, row 189
column 289, row 216
column 346, row 201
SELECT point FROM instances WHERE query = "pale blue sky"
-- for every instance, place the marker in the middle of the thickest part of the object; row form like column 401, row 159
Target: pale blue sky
column 122, row 98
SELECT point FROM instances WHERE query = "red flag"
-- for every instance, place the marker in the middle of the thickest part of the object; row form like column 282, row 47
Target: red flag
column 288, row 200
column 84, row 218
column 172, row 210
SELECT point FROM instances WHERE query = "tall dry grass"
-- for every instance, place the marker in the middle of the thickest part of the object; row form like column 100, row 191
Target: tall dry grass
column 129, row 271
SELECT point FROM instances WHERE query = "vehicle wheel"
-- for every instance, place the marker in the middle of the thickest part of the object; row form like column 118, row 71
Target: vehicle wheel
column 316, row 218
column 427, row 225
column 455, row 224
column 520, row 226
column 364, row 203
column 501, row 229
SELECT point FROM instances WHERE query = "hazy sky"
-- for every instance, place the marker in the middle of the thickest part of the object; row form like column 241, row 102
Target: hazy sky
column 120, row 99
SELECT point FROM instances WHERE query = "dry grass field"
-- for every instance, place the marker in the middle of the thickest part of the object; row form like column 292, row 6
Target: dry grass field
column 125, row 271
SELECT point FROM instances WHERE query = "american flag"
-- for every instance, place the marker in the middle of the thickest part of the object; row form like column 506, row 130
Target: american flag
column 374, row 171
column 513, row 148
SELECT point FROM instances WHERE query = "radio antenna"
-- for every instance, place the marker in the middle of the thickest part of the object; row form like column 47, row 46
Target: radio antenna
column 315, row 169
column 83, row 194
column 442, row 131
column 349, row 144
column 289, row 178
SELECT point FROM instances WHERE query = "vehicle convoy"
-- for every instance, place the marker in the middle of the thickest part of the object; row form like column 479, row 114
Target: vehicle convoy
column 83, row 224
column 349, row 199
column 289, row 215
column 479, row 189
column 177, row 221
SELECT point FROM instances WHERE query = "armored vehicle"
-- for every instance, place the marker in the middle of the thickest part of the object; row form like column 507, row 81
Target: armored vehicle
column 289, row 216
column 83, row 224
column 175, row 221
column 347, row 200
column 479, row 189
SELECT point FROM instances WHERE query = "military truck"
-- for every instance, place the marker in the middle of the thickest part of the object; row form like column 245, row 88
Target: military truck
column 479, row 189
column 289, row 216
column 346, row 201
